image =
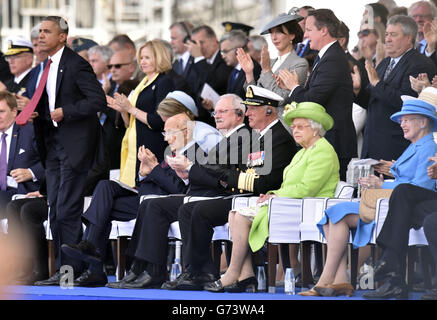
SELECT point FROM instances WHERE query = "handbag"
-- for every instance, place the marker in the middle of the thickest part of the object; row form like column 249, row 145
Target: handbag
column 368, row 202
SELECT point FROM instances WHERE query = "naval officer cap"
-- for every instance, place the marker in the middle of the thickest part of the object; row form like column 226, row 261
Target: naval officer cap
column 281, row 19
column 229, row 26
column 257, row 96
column 17, row 45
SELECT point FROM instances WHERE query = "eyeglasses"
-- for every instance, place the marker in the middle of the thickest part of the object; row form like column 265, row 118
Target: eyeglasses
column 14, row 57
column 220, row 112
column 227, row 51
column 118, row 65
column 299, row 127
column 172, row 132
column 365, row 32
column 407, row 120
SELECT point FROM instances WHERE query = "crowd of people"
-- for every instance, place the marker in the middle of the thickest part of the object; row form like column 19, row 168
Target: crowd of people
column 72, row 110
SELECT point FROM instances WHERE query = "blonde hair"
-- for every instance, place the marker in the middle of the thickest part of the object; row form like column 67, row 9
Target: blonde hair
column 170, row 107
column 160, row 56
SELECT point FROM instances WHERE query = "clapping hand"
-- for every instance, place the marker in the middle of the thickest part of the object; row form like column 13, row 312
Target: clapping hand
column 265, row 60
column 371, row 73
column 287, row 80
column 383, row 167
column 419, row 83
column 430, row 34
column 148, row 161
column 246, row 63
column 356, row 80
column 180, row 164
column 372, row 181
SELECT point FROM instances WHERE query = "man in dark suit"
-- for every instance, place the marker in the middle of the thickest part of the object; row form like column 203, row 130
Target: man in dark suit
column 229, row 44
column 20, row 59
column 388, row 82
column 209, row 67
column 329, row 84
column 5, row 72
column 21, row 170
column 68, row 135
column 112, row 201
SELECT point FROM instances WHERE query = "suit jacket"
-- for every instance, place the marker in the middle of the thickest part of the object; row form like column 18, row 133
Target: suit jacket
column 239, row 86
column 189, row 74
column 383, row 138
column 33, row 79
column 330, row 85
column 23, row 154
column 80, row 96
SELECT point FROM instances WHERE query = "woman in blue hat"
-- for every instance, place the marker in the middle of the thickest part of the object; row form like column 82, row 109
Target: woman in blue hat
column 418, row 120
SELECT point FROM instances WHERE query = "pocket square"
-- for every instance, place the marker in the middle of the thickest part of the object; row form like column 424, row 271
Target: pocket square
column 22, row 151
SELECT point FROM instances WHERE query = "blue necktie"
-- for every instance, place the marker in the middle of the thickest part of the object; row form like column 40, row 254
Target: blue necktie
column 316, row 61
column 235, row 73
column 3, row 164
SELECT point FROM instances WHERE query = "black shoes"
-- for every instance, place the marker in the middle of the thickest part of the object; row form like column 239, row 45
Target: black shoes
column 189, row 281
column 84, row 251
column 246, row 285
column 143, row 281
column 52, row 281
column 129, row 277
column 393, row 287
column 89, row 279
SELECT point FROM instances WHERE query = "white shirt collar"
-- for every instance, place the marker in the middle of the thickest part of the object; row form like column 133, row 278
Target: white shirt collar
column 211, row 60
column 325, row 48
column 21, row 76
column 229, row 133
column 263, row 132
column 56, row 58
column 8, row 131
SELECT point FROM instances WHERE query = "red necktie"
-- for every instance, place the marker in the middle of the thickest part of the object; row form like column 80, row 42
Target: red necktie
column 25, row 114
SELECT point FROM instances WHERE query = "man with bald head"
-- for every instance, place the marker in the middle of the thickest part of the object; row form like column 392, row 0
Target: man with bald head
column 113, row 202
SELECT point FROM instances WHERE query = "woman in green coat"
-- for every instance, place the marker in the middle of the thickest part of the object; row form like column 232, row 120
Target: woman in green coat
column 313, row 172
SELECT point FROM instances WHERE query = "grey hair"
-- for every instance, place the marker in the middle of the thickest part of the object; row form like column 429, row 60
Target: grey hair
column 258, row 42
column 408, row 25
column 105, row 52
column 236, row 102
column 317, row 127
column 431, row 6
column 237, row 38
column 34, row 33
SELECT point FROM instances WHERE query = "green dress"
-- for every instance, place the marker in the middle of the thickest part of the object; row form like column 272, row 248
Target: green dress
column 313, row 172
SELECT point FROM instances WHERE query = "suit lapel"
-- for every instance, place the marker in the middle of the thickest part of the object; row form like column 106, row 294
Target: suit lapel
column 398, row 65
column 13, row 147
column 188, row 67
column 61, row 70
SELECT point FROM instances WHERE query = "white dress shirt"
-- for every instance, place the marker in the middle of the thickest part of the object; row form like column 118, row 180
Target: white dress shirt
column 51, row 80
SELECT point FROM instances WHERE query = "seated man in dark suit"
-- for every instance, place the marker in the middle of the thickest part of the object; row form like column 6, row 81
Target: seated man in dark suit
column 111, row 201
column 21, row 170
column 229, row 44
column 20, row 59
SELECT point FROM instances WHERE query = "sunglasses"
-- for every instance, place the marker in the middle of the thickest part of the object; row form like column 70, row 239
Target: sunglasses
column 118, row 65
column 365, row 32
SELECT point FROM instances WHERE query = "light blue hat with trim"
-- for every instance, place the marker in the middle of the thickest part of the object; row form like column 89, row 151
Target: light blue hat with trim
column 185, row 99
column 425, row 105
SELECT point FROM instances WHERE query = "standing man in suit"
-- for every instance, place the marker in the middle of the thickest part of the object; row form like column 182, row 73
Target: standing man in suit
column 21, row 170
column 68, row 134
column 20, row 59
column 209, row 66
column 329, row 84
column 388, row 82
column 229, row 44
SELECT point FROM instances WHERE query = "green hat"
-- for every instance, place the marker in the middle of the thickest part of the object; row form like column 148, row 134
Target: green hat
column 308, row 110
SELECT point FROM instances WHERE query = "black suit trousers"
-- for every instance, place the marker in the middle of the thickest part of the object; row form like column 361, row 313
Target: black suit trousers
column 196, row 221
column 65, row 188
column 149, row 240
column 408, row 207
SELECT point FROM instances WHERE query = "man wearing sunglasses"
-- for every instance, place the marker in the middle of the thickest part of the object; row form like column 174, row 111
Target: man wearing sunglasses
column 122, row 68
